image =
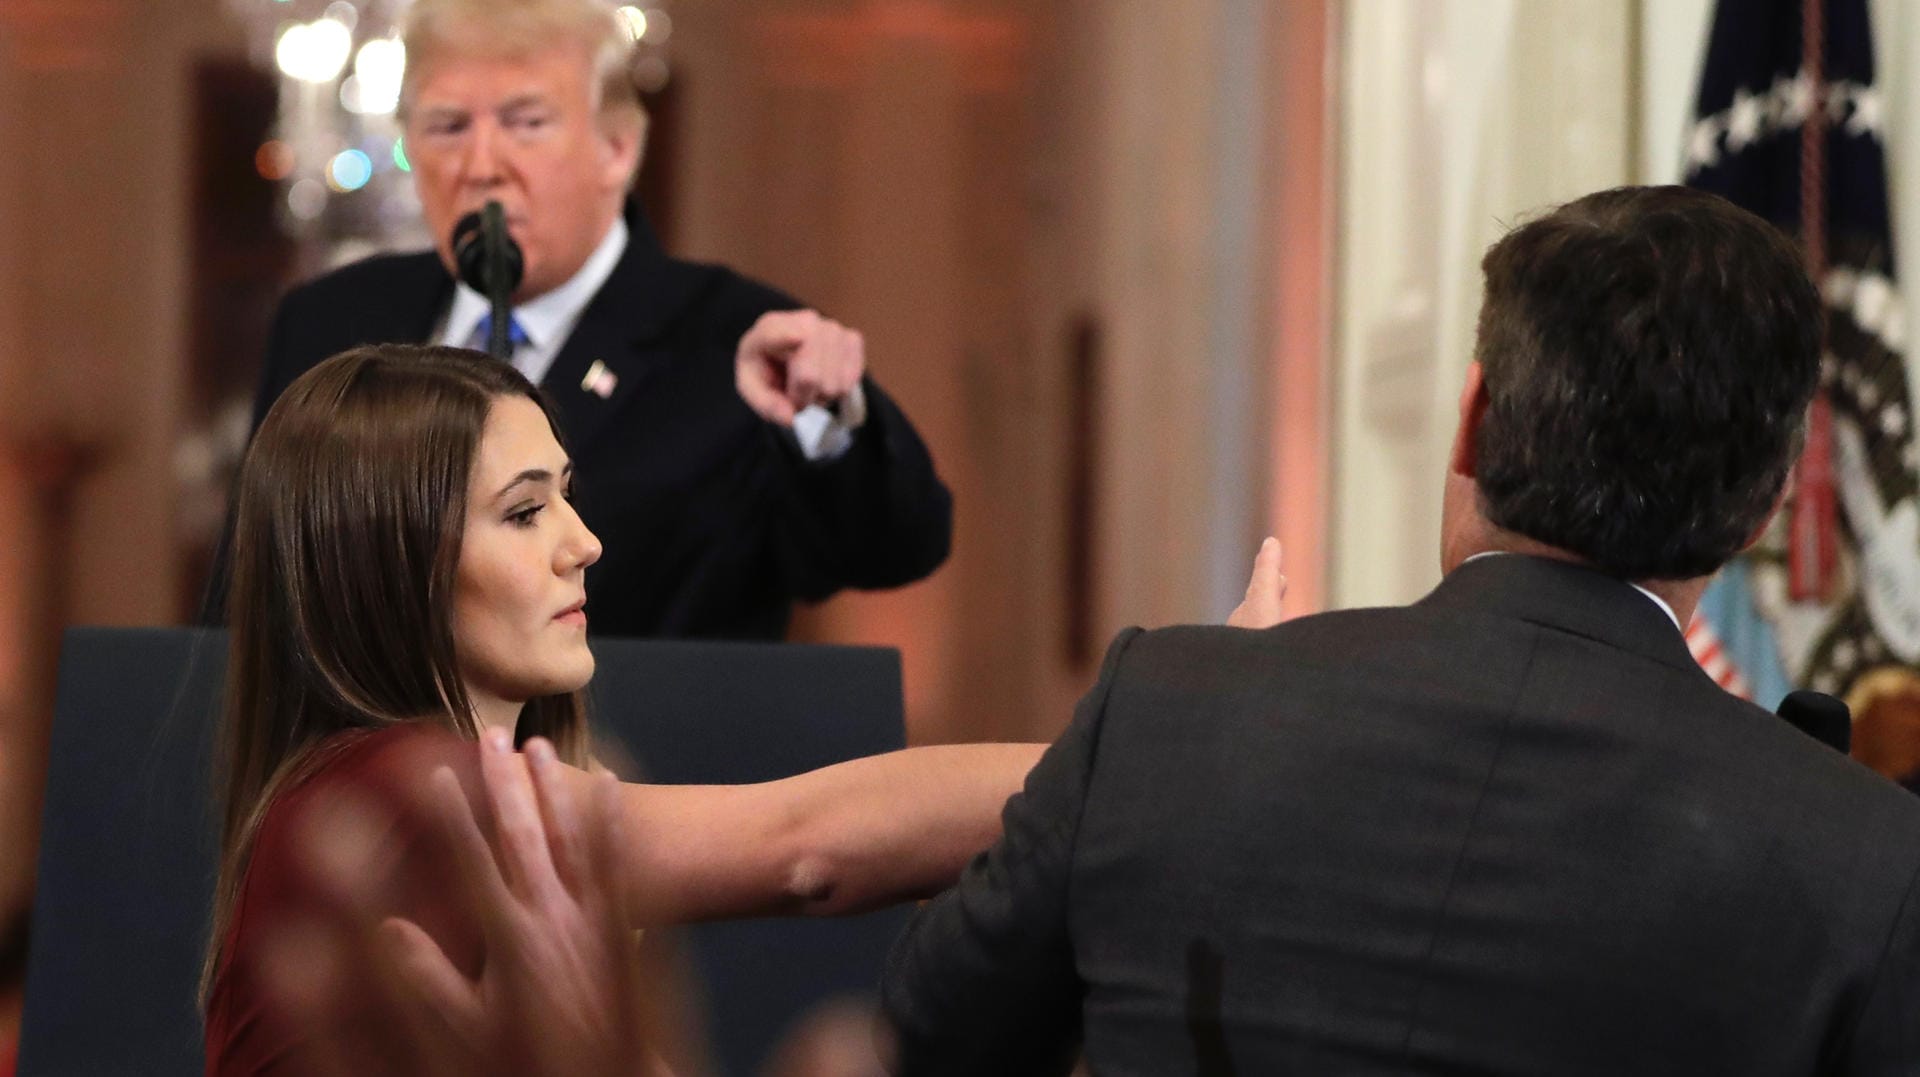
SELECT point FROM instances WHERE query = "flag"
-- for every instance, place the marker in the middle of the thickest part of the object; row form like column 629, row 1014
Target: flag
column 1788, row 125
column 1734, row 643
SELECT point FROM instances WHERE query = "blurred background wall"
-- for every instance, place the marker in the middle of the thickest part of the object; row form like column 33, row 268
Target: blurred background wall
column 94, row 292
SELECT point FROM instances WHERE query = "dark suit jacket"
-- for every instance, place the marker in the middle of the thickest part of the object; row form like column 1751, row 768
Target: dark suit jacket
column 712, row 521
column 1511, row 829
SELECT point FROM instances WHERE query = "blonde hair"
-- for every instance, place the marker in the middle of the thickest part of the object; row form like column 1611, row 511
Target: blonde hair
column 435, row 29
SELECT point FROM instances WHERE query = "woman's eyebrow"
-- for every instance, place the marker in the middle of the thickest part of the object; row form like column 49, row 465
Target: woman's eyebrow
column 533, row 474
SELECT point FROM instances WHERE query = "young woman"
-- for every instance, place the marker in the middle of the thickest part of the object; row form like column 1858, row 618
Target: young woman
column 408, row 574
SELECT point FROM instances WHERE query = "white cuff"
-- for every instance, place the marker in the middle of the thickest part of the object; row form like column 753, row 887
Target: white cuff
column 825, row 434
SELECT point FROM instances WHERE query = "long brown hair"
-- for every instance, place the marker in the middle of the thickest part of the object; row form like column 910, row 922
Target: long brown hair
column 348, row 519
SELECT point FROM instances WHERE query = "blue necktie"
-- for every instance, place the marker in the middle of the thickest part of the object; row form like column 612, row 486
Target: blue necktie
column 516, row 335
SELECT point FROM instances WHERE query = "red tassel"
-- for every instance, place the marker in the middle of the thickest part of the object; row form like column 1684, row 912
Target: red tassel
column 1813, row 520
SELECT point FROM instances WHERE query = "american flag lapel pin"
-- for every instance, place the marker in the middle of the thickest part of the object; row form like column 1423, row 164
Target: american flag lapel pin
column 599, row 380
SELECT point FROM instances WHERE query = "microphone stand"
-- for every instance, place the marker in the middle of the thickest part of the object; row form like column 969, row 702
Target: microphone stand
column 493, row 235
column 488, row 260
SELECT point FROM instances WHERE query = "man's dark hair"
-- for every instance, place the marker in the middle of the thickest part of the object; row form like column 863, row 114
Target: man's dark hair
column 1648, row 354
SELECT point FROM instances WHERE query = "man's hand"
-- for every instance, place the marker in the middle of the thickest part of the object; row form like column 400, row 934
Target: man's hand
column 1261, row 607
column 795, row 358
column 558, row 993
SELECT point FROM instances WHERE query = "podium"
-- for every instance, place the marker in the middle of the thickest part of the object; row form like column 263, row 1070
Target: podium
column 128, row 838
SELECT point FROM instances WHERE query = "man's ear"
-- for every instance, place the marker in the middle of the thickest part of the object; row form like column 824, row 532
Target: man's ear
column 1464, row 460
column 624, row 140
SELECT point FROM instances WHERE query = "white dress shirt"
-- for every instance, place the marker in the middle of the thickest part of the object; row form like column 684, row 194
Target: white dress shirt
column 547, row 319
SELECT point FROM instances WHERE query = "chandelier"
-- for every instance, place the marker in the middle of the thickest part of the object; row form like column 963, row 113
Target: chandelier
column 336, row 152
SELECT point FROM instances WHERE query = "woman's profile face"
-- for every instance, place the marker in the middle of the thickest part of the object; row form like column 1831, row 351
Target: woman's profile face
column 519, row 623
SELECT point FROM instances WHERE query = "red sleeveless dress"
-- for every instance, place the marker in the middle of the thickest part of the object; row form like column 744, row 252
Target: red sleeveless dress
column 352, row 843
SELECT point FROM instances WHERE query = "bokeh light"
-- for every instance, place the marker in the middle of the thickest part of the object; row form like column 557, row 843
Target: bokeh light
column 315, row 51
column 377, row 69
column 274, row 160
column 306, row 199
column 650, row 74
column 656, row 28
column 349, row 170
column 344, row 13
column 635, row 20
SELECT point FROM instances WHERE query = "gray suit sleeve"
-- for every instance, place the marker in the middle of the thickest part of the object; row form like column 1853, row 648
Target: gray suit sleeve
column 983, row 979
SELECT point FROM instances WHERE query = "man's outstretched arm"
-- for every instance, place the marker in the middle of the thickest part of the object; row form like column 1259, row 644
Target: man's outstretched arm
column 861, row 502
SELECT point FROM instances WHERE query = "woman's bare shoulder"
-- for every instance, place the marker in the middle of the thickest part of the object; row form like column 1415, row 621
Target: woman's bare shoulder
column 365, row 800
column 353, row 841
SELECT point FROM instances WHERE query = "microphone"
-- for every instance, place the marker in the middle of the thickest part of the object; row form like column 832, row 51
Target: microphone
column 490, row 263
column 1819, row 716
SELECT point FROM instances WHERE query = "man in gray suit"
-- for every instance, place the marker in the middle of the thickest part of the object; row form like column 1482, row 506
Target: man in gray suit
column 1511, row 828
